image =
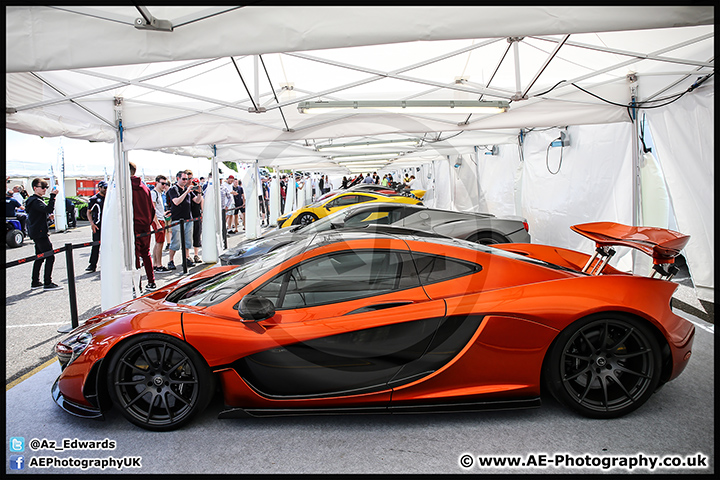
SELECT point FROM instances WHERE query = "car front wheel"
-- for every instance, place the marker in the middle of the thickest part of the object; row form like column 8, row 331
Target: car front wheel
column 604, row 366
column 305, row 219
column 159, row 382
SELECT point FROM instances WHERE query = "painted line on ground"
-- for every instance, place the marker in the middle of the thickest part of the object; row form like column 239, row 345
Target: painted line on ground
column 36, row 325
column 30, row 373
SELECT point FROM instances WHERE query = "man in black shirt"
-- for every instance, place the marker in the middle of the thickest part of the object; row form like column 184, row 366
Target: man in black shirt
column 178, row 199
column 38, row 230
column 95, row 206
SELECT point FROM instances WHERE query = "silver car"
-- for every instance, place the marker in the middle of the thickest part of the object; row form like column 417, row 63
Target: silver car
column 483, row 228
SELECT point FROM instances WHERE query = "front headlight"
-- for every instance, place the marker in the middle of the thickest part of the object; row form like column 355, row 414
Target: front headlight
column 71, row 348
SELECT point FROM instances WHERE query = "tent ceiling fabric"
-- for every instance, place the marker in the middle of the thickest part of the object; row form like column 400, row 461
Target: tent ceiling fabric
column 206, row 32
column 193, row 87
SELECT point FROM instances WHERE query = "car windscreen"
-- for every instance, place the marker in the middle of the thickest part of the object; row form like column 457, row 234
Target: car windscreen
column 218, row 288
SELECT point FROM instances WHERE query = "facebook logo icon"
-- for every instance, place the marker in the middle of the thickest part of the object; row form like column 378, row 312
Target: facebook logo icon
column 17, row 462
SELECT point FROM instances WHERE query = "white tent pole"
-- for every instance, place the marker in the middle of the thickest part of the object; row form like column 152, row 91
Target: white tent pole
column 219, row 218
column 256, row 89
column 117, row 242
column 209, row 220
column 60, row 211
column 518, row 86
column 636, row 179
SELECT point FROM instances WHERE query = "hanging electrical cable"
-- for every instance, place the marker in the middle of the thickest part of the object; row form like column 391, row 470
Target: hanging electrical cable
column 547, row 162
column 641, row 104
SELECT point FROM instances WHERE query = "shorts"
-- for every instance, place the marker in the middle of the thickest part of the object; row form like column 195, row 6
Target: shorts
column 175, row 240
column 160, row 234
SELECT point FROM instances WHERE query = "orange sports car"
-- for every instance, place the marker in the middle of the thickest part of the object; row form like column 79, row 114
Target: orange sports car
column 388, row 320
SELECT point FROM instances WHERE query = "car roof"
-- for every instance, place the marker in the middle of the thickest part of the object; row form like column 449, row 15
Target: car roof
column 388, row 232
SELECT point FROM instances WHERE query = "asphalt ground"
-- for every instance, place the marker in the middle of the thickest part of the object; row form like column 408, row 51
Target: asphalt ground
column 675, row 425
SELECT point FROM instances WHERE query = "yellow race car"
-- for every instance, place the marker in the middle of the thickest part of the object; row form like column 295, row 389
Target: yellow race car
column 325, row 207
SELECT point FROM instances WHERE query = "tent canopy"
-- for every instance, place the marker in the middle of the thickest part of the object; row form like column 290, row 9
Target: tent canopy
column 228, row 80
column 194, row 85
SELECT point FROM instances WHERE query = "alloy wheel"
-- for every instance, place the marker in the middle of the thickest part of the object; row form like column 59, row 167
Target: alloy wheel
column 159, row 383
column 606, row 367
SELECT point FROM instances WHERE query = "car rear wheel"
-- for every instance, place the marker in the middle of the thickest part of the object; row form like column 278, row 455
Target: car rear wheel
column 159, row 382
column 604, row 366
column 489, row 238
column 305, row 219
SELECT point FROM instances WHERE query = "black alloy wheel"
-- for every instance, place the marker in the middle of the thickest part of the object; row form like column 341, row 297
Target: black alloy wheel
column 159, row 382
column 305, row 219
column 604, row 366
column 489, row 238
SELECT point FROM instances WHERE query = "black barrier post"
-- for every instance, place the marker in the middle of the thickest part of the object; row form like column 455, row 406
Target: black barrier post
column 182, row 246
column 71, row 290
column 224, row 227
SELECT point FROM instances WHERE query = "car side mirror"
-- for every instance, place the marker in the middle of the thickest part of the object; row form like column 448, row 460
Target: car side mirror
column 336, row 224
column 254, row 308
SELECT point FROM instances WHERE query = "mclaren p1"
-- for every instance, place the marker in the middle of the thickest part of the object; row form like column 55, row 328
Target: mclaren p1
column 388, row 321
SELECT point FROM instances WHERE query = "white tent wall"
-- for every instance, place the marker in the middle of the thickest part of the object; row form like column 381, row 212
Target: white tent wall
column 465, row 185
column 443, row 184
column 498, row 181
column 594, row 183
column 684, row 137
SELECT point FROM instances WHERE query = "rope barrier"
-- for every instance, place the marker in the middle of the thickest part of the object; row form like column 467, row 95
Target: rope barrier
column 55, row 251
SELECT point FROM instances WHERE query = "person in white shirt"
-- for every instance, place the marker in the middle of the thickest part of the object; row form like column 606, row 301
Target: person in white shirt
column 156, row 194
column 228, row 201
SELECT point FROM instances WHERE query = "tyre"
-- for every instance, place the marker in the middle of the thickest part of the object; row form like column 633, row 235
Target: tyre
column 604, row 366
column 82, row 213
column 488, row 238
column 159, row 382
column 14, row 238
column 305, row 219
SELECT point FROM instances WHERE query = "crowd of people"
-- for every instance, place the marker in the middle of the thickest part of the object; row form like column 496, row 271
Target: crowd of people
column 154, row 207
column 177, row 202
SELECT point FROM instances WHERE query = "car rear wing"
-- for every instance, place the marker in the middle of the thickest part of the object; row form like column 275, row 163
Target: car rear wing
column 661, row 244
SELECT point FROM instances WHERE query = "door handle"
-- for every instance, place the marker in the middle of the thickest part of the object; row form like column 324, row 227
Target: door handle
column 379, row 306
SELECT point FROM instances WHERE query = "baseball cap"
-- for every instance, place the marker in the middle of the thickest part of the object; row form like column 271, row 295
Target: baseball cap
column 102, row 183
column 230, row 177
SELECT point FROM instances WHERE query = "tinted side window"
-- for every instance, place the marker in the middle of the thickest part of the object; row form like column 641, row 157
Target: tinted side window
column 363, row 198
column 345, row 200
column 436, row 268
column 379, row 215
column 341, row 277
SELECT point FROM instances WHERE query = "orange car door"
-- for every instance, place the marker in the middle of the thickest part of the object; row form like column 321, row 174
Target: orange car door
column 346, row 323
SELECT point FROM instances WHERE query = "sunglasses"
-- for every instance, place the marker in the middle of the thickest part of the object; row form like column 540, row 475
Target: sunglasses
column 184, row 179
column 44, row 187
column 164, row 183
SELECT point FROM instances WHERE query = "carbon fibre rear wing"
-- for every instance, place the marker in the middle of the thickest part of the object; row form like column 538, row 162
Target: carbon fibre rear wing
column 661, row 244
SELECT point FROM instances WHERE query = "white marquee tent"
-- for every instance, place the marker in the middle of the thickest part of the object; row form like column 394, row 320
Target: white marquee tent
column 225, row 83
